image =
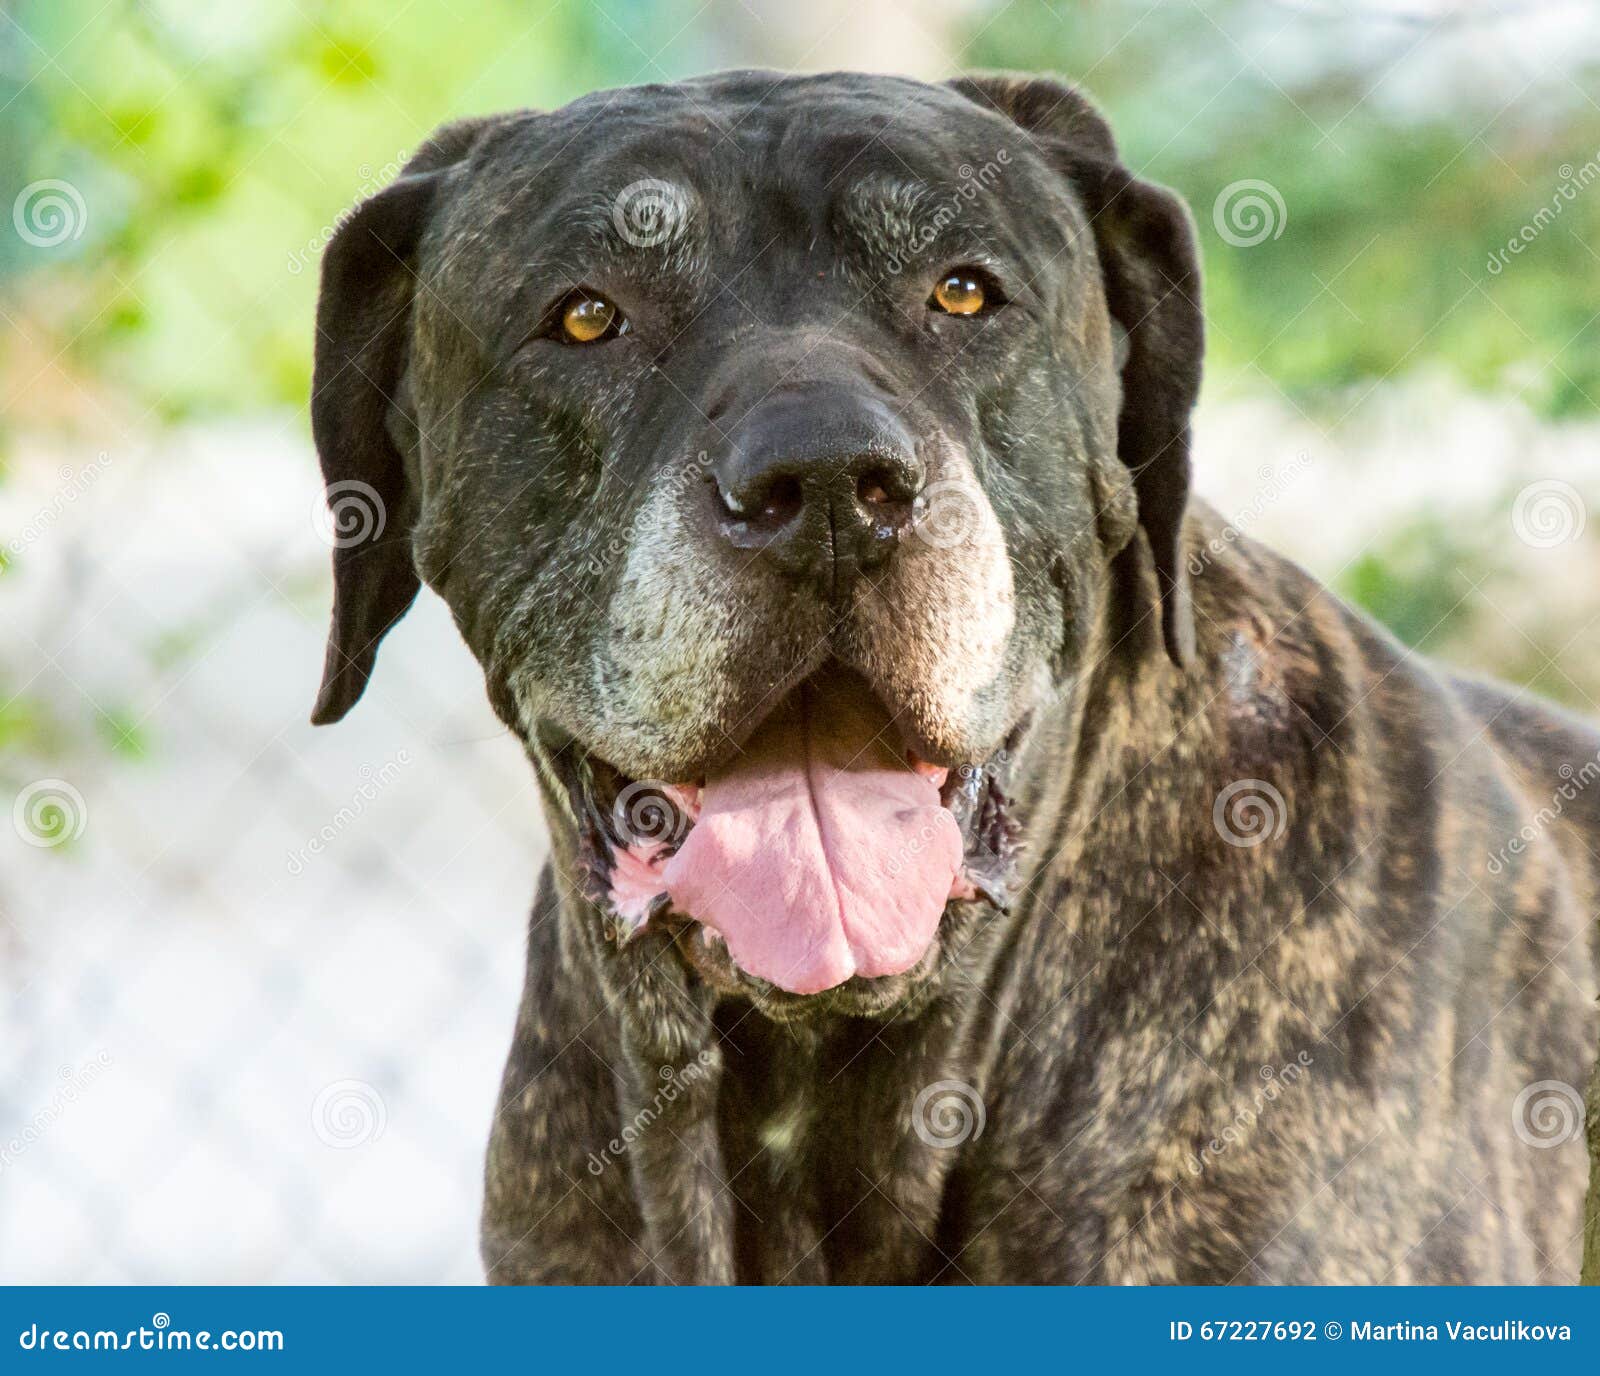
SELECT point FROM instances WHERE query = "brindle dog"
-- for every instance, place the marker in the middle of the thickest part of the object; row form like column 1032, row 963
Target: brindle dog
column 695, row 402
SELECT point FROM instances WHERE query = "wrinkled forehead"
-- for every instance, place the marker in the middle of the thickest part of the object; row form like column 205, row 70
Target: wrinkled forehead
column 739, row 163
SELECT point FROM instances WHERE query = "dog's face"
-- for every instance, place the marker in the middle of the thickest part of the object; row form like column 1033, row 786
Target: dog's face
column 761, row 432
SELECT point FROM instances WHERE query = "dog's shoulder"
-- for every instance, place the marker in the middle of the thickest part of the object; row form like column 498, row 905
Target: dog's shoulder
column 1479, row 803
column 1550, row 760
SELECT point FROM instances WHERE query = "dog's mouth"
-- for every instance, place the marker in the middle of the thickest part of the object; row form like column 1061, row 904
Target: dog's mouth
column 824, row 851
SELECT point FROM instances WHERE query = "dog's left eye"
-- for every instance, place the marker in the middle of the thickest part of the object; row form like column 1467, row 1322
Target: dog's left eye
column 965, row 291
column 586, row 317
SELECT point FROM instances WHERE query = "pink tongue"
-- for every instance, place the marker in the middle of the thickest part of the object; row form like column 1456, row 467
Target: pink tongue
column 819, row 854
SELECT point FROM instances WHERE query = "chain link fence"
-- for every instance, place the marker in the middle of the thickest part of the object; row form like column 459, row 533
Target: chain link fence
column 259, row 977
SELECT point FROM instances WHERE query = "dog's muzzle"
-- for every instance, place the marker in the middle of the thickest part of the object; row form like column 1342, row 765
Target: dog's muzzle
column 820, row 479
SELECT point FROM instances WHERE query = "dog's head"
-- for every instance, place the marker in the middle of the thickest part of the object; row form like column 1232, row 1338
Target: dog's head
column 777, row 443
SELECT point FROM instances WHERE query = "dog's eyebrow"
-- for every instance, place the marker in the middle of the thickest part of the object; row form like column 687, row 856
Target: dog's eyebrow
column 648, row 230
column 649, row 214
column 901, row 218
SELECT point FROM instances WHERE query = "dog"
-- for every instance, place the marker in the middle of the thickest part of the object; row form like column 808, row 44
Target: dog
column 971, row 860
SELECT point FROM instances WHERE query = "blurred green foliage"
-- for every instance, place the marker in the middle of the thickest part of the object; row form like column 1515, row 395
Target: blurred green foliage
column 215, row 145
column 1416, row 582
column 1394, row 202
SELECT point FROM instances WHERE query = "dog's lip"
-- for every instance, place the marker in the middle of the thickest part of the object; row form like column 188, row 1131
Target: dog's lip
column 915, row 744
column 918, row 748
column 859, row 996
column 605, row 800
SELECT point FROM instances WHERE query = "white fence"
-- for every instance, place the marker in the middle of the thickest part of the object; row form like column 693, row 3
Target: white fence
column 256, row 1008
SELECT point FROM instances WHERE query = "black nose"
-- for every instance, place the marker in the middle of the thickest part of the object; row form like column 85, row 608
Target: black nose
column 821, row 480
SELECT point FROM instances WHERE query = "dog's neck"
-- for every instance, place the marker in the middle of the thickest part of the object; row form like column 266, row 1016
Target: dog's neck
column 1099, row 771
column 835, row 1068
column 1103, row 730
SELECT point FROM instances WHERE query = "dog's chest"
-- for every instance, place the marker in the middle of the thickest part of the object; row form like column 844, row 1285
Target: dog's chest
column 833, row 1181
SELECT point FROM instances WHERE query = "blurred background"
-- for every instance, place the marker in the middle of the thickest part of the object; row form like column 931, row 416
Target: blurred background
column 258, row 980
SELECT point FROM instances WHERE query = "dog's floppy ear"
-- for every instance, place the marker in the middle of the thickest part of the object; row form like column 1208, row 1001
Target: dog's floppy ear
column 1146, row 246
column 363, row 332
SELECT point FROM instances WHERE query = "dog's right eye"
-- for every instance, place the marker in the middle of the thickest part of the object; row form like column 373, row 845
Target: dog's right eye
column 960, row 293
column 586, row 317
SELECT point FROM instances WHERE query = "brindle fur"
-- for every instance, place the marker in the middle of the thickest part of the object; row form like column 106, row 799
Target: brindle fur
column 1124, row 1012
column 1122, row 1015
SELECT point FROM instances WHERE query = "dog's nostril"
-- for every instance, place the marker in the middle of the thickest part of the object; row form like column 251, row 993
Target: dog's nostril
column 781, row 502
column 882, row 487
column 778, row 502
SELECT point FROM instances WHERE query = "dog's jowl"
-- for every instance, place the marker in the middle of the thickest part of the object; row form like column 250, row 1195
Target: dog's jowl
column 966, row 864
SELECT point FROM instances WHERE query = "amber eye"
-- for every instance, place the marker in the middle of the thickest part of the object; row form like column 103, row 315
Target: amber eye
column 961, row 293
column 587, row 319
